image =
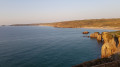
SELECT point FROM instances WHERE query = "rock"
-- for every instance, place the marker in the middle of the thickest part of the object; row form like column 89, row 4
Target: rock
column 108, row 48
column 99, row 37
column 111, row 44
column 96, row 63
column 104, row 32
column 106, row 36
column 119, row 42
column 115, row 56
column 105, row 50
column 94, row 35
column 85, row 32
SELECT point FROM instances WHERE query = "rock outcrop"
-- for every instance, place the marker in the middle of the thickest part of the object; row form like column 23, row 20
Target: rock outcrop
column 94, row 35
column 106, row 36
column 99, row 37
column 113, row 61
column 110, row 51
column 85, row 32
column 109, row 47
column 111, row 44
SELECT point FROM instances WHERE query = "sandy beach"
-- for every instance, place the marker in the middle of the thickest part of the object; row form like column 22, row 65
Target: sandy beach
column 107, row 28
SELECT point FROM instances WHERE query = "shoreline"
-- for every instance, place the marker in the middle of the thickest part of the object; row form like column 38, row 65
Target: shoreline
column 108, row 56
column 105, row 28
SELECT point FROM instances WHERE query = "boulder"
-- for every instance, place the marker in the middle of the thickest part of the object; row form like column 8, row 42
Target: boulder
column 94, row 35
column 85, row 32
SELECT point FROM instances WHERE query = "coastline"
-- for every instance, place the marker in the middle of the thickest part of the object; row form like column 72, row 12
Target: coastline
column 105, row 28
column 110, row 50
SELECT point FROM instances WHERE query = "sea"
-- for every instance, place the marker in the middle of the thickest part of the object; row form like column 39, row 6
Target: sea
column 44, row 46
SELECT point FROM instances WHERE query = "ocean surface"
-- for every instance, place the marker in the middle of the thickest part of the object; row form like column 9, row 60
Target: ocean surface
column 40, row 46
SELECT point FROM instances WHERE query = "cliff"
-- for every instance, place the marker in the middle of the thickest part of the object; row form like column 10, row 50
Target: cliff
column 111, row 43
column 110, row 51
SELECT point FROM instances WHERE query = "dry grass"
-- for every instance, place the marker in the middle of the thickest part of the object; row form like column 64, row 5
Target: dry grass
column 87, row 23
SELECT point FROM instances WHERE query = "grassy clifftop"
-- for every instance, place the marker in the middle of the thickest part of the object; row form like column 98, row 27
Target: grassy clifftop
column 116, row 33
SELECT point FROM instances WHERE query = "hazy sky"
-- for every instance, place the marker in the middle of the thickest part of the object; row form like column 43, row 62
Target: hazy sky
column 41, row 11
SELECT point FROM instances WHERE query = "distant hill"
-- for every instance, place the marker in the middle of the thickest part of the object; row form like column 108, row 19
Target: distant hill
column 80, row 23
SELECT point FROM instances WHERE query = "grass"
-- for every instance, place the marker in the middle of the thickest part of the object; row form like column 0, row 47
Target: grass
column 116, row 33
column 88, row 23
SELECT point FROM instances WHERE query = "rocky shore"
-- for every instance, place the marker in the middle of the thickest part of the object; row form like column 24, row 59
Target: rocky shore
column 110, row 51
column 111, row 42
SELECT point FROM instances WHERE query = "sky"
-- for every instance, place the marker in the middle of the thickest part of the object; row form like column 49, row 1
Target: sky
column 44, row 11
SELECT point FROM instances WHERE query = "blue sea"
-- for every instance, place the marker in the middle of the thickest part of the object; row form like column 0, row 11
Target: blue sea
column 42, row 46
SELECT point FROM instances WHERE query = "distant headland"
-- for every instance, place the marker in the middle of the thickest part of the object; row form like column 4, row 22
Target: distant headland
column 113, row 24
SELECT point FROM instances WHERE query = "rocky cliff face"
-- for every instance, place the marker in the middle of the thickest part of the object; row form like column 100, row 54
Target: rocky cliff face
column 99, row 37
column 108, row 48
column 111, row 43
column 110, row 51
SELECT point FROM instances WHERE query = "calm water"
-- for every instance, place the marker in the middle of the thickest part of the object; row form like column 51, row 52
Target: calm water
column 46, row 46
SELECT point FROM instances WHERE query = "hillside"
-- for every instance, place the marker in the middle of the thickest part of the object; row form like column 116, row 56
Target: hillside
column 103, row 23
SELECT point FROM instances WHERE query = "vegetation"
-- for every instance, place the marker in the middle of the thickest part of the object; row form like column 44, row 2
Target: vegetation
column 88, row 23
column 115, row 33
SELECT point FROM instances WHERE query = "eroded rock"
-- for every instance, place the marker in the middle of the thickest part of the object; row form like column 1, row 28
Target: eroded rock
column 99, row 37
column 85, row 32
column 106, row 36
column 94, row 35
column 109, row 47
